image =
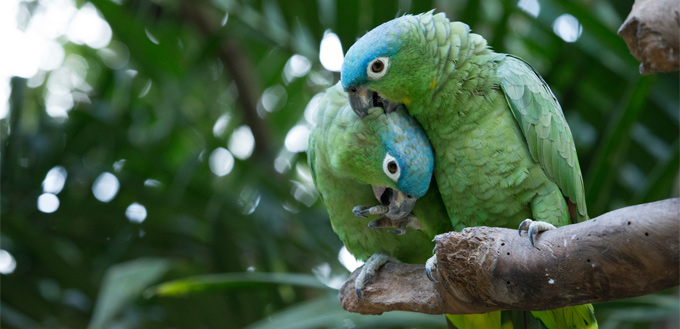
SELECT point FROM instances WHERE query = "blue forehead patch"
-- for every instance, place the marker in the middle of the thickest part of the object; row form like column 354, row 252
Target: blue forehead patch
column 384, row 40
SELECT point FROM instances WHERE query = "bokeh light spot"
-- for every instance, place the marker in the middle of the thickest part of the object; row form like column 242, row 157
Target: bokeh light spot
column 347, row 260
column 54, row 180
column 48, row 203
column 105, row 187
column 273, row 98
column 567, row 27
column 531, row 7
column 297, row 139
column 220, row 125
column 221, row 161
column 242, row 142
column 136, row 212
column 330, row 52
column 87, row 27
column 7, row 262
column 297, row 66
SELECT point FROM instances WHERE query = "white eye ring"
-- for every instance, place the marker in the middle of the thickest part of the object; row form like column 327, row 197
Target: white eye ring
column 391, row 167
column 377, row 68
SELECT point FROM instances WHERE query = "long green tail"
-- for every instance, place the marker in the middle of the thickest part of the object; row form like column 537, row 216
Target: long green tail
column 572, row 317
column 490, row 320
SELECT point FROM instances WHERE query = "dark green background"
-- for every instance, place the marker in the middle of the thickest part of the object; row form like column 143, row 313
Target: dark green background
column 87, row 264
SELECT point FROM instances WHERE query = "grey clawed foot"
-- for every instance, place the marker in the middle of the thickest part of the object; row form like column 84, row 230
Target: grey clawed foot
column 362, row 211
column 368, row 272
column 533, row 228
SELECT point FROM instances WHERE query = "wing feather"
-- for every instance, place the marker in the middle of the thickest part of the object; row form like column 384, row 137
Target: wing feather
column 545, row 129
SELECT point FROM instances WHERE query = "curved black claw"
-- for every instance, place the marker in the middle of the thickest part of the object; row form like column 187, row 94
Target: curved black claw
column 522, row 225
column 429, row 275
column 359, row 293
column 359, row 211
column 531, row 234
column 431, row 263
column 368, row 272
column 533, row 228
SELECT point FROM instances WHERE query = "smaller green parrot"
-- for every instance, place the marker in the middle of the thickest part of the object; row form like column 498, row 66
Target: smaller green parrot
column 383, row 158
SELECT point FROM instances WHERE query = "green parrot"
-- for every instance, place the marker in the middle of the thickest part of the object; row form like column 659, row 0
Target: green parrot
column 504, row 154
column 382, row 158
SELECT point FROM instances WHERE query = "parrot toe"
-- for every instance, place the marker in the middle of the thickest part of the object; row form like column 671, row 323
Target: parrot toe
column 359, row 211
column 362, row 211
column 368, row 272
column 533, row 228
column 399, row 225
column 429, row 265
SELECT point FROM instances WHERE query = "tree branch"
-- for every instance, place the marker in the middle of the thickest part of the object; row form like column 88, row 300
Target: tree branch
column 625, row 253
column 652, row 31
column 241, row 69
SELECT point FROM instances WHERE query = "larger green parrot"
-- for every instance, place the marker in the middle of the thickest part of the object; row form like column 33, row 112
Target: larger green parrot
column 383, row 158
column 503, row 150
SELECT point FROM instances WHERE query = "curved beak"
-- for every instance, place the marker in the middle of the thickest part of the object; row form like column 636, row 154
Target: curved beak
column 399, row 203
column 362, row 99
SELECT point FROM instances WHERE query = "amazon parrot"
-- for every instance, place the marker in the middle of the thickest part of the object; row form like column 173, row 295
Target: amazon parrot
column 382, row 158
column 504, row 154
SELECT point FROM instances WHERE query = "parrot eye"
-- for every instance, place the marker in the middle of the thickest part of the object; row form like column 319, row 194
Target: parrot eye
column 377, row 68
column 391, row 167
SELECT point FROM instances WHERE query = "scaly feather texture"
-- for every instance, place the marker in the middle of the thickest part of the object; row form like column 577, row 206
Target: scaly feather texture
column 503, row 150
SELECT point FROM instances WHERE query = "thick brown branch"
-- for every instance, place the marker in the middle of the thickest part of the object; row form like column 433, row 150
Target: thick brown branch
column 652, row 32
column 625, row 253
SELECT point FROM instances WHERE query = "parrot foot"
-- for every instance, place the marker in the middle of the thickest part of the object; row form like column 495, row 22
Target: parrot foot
column 429, row 266
column 369, row 270
column 399, row 225
column 362, row 211
column 533, row 228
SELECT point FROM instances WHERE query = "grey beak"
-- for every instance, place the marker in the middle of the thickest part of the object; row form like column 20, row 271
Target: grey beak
column 399, row 203
column 362, row 99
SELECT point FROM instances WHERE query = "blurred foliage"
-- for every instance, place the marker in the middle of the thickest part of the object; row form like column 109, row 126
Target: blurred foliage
column 174, row 84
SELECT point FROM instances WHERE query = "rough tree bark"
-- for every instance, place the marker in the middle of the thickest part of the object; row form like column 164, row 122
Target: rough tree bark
column 652, row 33
column 625, row 253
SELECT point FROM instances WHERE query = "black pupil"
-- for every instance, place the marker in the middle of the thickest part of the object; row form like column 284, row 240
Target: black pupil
column 377, row 66
column 392, row 167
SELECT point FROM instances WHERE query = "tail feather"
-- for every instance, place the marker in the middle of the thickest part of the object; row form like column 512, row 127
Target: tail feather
column 572, row 317
column 490, row 320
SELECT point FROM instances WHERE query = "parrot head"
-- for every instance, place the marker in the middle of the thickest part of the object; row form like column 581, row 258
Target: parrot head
column 406, row 60
column 408, row 159
column 395, row 157
column 387, row 66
